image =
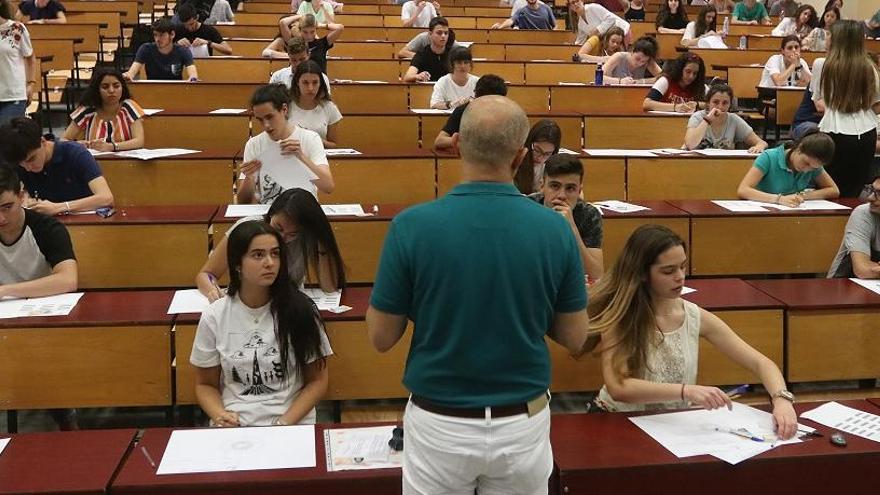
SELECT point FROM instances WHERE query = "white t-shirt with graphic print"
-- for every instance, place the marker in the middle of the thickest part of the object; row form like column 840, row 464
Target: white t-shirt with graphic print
column 272, row 183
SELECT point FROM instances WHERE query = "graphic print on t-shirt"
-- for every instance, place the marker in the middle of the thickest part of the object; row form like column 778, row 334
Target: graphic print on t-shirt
column 264, row 368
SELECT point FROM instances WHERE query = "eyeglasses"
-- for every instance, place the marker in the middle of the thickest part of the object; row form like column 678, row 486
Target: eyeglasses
column 869, row 191
column 537, row 152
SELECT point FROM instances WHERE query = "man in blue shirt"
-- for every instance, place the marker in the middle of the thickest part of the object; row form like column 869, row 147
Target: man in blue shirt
column 485, row 274
column 60, row 177
column 535, row 15
column 163, row 59
column 41, row 12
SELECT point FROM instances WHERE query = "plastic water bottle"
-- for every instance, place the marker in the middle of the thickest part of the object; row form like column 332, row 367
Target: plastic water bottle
column 600, row 75
column 820, row 41
column 725, row 29
column 743, row 42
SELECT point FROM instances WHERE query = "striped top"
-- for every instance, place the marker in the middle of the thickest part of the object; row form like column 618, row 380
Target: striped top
column 116, row 130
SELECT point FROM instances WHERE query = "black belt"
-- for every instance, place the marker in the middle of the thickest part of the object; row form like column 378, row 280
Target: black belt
column 470, row 412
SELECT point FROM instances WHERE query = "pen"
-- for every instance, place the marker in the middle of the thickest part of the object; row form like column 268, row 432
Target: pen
column 738, row 391
column 810, row 433
column 213, row 280
column 741, row 433
column 147, row 455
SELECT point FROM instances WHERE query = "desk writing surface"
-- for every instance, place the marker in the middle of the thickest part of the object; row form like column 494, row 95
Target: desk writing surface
column 605, row 452
column 617, row 227
column 81, row 462
column 817, row 294
column 100, row 309
column 729, row 294
column 876, row 402
column 137, row 476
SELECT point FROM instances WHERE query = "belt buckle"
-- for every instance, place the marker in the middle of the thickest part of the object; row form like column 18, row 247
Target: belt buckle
column 537, row 404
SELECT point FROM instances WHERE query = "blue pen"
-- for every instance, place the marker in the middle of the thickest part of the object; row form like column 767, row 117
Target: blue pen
column 742, row 432
column 736, row 392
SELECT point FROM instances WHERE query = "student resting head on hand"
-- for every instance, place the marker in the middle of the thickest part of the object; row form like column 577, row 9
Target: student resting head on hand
column 716, row 127
column 543, row 141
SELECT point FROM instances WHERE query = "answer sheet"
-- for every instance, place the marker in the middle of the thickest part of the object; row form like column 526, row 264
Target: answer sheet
column 239, row 211
column 618, row 152
column 187, row 301
column 719, row 152
column 325, row 301
column 845, row 418
column 871, row 285
column 341, row 151
column 58, row 305
column 239, row 449
column 343, row 210
column 360, row 448
column 147, row 154
column 620, row 206
column 3, row 443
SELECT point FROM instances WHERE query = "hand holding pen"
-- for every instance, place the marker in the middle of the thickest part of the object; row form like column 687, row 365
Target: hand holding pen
column 706, row 397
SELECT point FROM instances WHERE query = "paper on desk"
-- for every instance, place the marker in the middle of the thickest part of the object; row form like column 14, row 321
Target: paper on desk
column 430, row 111
column 283, row 171
column 200, row 51
column 58, row 305
column 371, row 82
column 151, row 111
column 810, row 204
column 341, row 151
column 670, row 151
column 665, row 112
column 566, row 151
column 871, row 285
column 360, row 448
column 573, row 83
column 324, row 300
column 687, row 290
column 848, row 419
column 618, row 152
column 712, row 41
column 620, row 206
column 240, row 211
column 342, row 210
column 690, row 433
column 187, row 301
column 95, row 152
column 228, row 111
column 239, row 449
column 3, row 443
column 466, row 44
column 147, row 154
column 719, row 152
column 739, row 205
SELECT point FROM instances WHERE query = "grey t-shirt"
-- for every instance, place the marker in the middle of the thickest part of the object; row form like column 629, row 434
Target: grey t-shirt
column 734, row 132
column 862, row 235
column 622, row 69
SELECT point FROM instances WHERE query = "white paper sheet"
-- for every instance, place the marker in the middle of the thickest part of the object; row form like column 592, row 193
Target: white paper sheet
column 147, row 154
column 739, row 205
column 573, row 83
column 616, row 152
column 871, row 285
column 187, row 301
column 691, row 433
column 718, row 152
column 341, row 151
column 360, row 448
column 94, row 152
column 239, row 449
column 324, row 300
column 58, row 305
column 200, row 51
column 566, row 151
column 371, row 82
column 808, row 205
column 670, row 151
column 343, row 210
column 712, row 41
column 3, row 443
column 620, row 206
column 430, row 111
column 284, row 170
column 151, row 111
column 239, row 211
column 228, row 111
column 665, row 112
column 687, row 290
column 848, row 419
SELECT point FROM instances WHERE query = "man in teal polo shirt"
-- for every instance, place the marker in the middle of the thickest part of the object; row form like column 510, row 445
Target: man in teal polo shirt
column 750, row 12
column 484, row 273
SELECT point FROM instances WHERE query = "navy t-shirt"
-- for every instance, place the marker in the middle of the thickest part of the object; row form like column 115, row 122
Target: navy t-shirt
column 164, row 67
column 67, row 175
column 50, row 11
column 806, row 111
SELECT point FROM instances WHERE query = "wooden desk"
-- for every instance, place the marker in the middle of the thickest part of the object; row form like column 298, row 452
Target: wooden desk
column 648, row 131
column 732, row 56
column 128, row 10
column 165, row 181
column 137, row 476
column 141, row 246
column 80, row 462
column 787, row 102
column 606, row 452
column 729, row 243
column 113, row 349
column 684, row 177
column 381, row 132
column 876, row 402
column 227, row 69
column 617, row 227
column 570, row 124
column 199, row 131
column 599, row 100
column 404, row 177
column 194, row 98
column 832, row 328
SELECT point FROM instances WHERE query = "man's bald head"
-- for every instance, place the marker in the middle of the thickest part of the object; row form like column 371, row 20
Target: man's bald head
column 493, row 130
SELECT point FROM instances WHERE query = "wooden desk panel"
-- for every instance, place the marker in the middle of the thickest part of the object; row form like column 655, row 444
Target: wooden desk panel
column 744, row 80
column 128, row 10
column 363, row 49
column 358, row 371
column 60, row 50
column 163, row 182
column 512, row 72
column 685, row 178
column 512, row 36
column 572, row 128
column 762, row 329
column 360, row 244
column 382, row 180
column 552, row 74
column 70, row 462
column 70, row 31
column 534, row 52
column 184, row 373
column 243, row 70
column 787, row 102
column 367, row 98
column 593, row 100
column 194, row 98
column 618, row 227
column 198, row 131
column 650, row 131
column 379, row 132
column 365, row 70
column 532, row 99
column 108, row 22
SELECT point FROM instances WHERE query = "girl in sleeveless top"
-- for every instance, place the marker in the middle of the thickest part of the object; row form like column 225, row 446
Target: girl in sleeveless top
column 681, row 86
column 650, row 335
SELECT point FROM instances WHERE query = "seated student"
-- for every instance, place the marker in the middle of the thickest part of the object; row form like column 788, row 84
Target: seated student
column 705, row 25
column 859, row 253
column 107, row 118
column 786, row 68
column 872, row 25
column 784, row 8
column 194, row 33
column 431, row 63
column 650, row 335
column 800, row 25
column 297, row 53
column 561, row 190
column 309, row 243
column 320, row 10
column 819, row 38
column 41, row 12
column 260, row 352
column 680, row 88
column 163, row 59
column 419, row 42
column 488, row 84
column 597, row 51
column 671, row 18
column 457, row 87
column 596, row 20
column 785, row 174
column 715, row 127
column 722, row 6
column 305, row 26
column 636, row 67
column 806, row 117
column 535, row 15
column 543, row 141
column 750, row 12
column 635, row 10
column 220, row 12
column 418, row 13
column 310, row 106
column 302, row 148
column 60, row 177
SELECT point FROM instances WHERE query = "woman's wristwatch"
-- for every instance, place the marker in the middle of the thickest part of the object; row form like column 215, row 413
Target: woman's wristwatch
column 783, row 394
column 279, row 422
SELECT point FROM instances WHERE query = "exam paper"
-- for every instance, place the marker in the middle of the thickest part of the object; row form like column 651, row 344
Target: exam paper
column 95, row 152
column 719, row 152
column 430, row 111
column 240, row 211
column 188, row 301
column 566, row 151
column 871, row 285
column 324, row 300
column 239, row 449
column 341, row 151
column 620, row 206
column 616, row 152
column 810, row 204
column 342, row 210
column 151, row 111
column 282, row 172
column 713, row 41
column 5, row 441
column 147, row 154
column 670, row 151
column 228, row 111
column 738, row 205
column 360, row 448
column 848, row 419
column 666, row 112
column 200, row 51
column 58, row 305
column 687, row 290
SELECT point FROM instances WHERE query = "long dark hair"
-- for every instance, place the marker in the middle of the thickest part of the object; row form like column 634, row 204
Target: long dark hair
column 6, row 10
column 665, row 14
column 315, row 234
column 298, row 323
column 821, row 22
column 701, row 27
column 92, row 96
column 675, row 69
column 544, row 130
column 309, row 67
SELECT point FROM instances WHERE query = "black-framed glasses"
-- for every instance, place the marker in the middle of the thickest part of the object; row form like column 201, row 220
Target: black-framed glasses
column 869, row 191
column 537, row 152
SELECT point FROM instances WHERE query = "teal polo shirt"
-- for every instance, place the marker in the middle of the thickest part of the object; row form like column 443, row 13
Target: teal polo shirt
column 778, row 178
column 756, row 13
column 480, row 272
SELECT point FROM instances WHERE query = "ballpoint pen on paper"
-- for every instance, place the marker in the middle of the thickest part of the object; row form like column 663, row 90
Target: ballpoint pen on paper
column 738, row 391
column 742, row 432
